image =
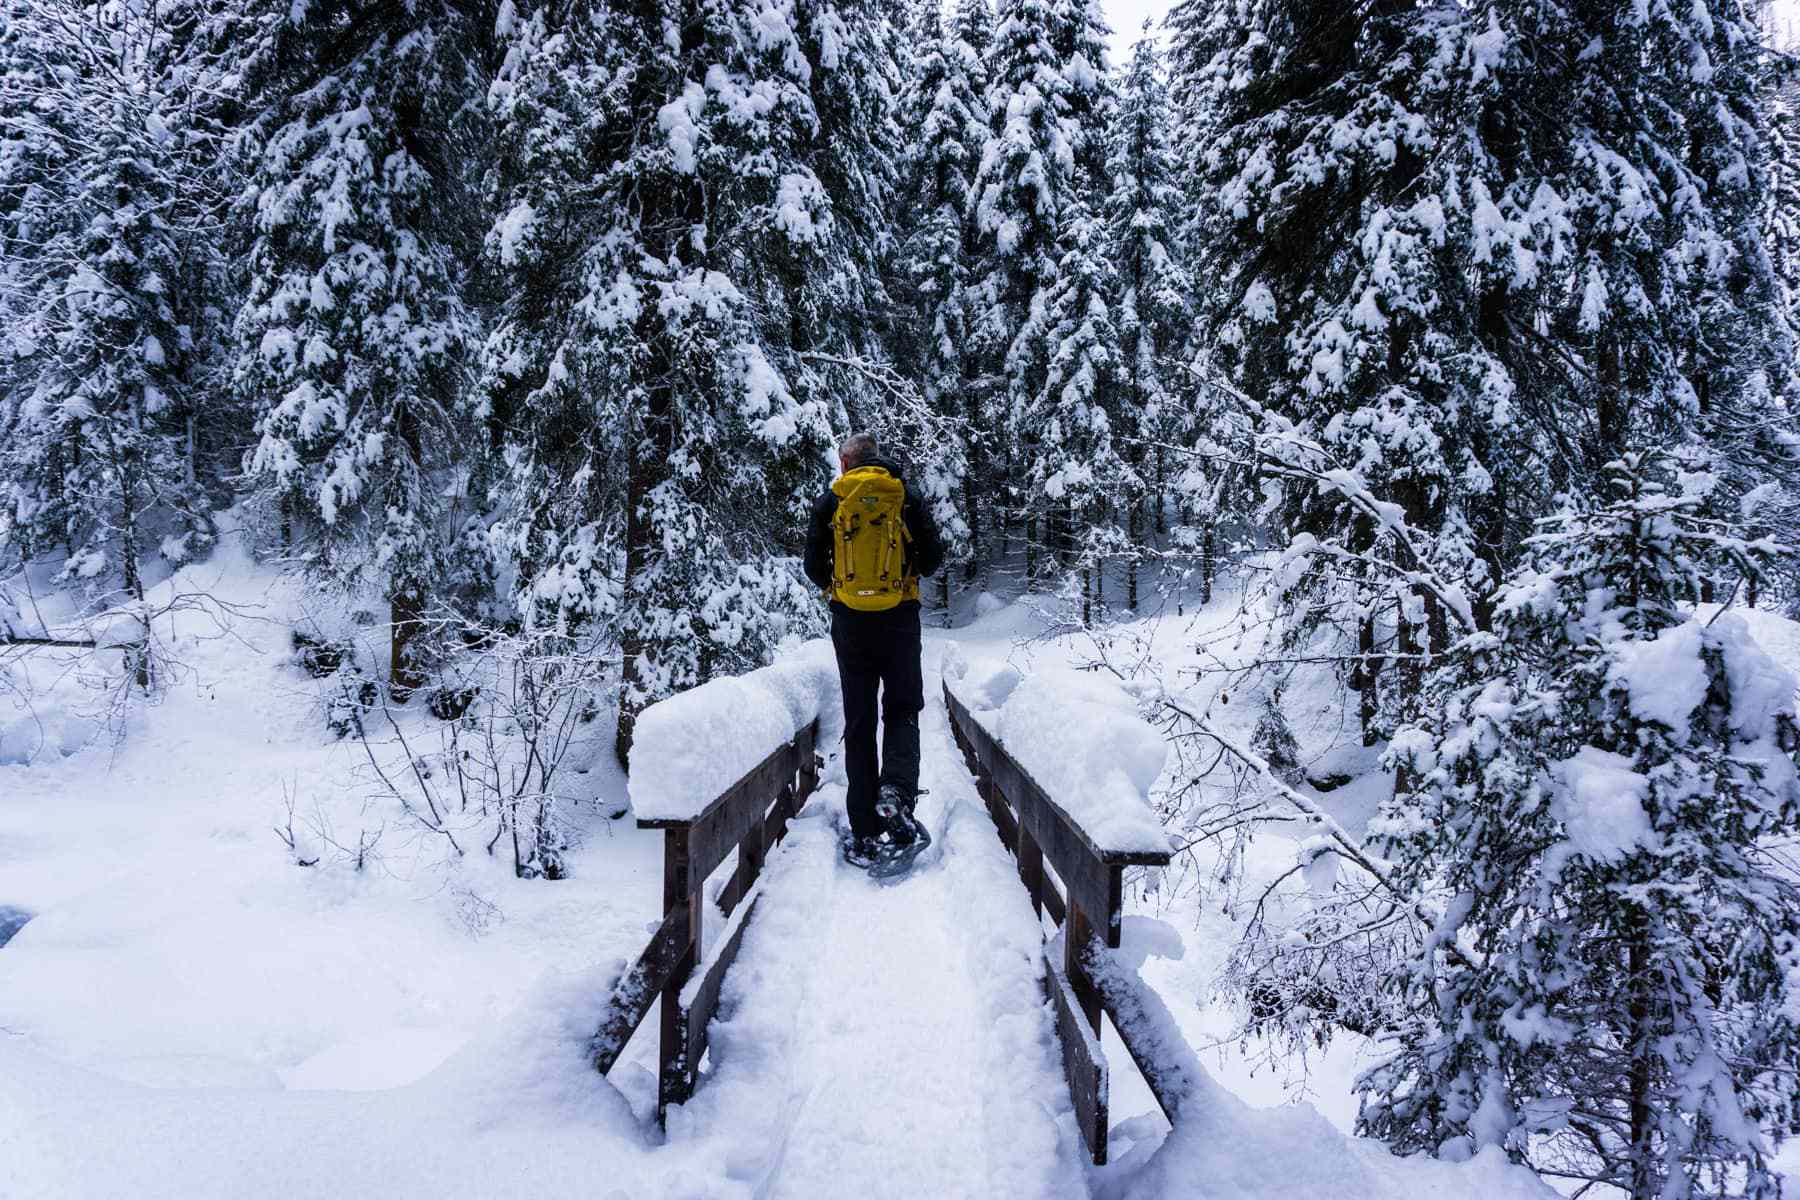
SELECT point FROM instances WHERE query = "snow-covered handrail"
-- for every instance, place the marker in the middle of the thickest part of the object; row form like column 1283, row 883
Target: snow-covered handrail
column 1037, row 826
column 750, row 816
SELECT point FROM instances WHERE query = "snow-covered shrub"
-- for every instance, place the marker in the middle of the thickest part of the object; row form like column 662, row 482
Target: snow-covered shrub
column 1609, row 994
column 320, row 657
column 1274, row 740
column 450, row 703
column 349, row 703
column 500, row 769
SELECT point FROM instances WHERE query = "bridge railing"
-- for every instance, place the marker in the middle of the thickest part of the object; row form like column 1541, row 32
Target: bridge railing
column 1089, row 907
column 750, row 816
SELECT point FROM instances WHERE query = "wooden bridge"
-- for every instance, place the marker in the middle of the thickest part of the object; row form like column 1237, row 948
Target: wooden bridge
column 1070, row 877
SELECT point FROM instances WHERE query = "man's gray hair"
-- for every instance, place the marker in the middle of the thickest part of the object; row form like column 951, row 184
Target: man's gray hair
column 857, row 449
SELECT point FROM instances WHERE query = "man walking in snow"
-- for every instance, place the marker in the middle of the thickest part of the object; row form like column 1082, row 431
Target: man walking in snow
column 870, row 539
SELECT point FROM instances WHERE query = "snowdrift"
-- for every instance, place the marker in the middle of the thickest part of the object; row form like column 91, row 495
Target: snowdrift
column 691, row 747
column 1080, row 737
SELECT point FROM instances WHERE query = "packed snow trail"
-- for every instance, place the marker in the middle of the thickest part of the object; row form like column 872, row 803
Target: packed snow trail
column 886, row 1040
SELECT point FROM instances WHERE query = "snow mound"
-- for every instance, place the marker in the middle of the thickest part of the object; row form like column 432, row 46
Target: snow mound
column 1664, row 676
column 1222, row 1148
column 1101, row 778
column 983, row 684
column 516, row 1113
column 52, row 731
column 692, row 746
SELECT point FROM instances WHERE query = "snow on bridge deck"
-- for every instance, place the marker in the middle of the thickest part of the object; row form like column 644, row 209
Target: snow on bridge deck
column 887, row 1041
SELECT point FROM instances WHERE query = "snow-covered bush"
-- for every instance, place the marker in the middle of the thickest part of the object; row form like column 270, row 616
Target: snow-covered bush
column 499, row 769
column 1609, row 994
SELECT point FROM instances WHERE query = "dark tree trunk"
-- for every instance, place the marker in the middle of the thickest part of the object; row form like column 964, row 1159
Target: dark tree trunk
column 1644, row 1184
column 1208, row 552
column 406, row 620
column 1134, row 529
column 650, row 454
column 675, row 212
column 1162, row 516
column 1368, row 671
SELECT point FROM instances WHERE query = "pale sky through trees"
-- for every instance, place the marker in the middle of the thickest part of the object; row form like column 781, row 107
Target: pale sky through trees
column 1127, row 19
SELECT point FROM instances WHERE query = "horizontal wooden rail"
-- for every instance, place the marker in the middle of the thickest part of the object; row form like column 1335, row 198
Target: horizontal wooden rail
column 750, row 816
column 1130, row 1002
column 1039, row 831
column 639, row 987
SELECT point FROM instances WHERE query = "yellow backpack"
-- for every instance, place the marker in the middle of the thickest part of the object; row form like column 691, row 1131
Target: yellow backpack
column 871, row 545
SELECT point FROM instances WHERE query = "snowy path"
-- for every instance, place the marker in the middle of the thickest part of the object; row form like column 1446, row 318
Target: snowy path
column 887, row 1041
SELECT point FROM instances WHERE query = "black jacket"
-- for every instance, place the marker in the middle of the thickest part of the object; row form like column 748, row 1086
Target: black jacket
column 927, row 543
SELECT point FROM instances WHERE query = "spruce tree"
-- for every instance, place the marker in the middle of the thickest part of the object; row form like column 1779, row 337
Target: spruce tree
column 1040, row 173
column 110, row 298
column 1466, row 255
column 1781, row 212
column 1080, row 468
column 1154, row 310
column 354, row 333
column 1610, row 996
column 680, row 262
column 944, row 110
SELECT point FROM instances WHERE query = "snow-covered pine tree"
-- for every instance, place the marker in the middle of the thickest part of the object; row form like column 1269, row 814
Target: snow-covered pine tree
column 943, row 109
column 106, row 245
column 1041, row 170
column 1154, row 316
column 354, row 330
column 1779, row 507
column 1338, row 305
column 972, row 31
column 668, row 249
column 839, row 354
column 1020, row 188
column 1781, row 211
column 1610, row 995
column 1467, row 254
column 1079, row 471
column 36, row 143
column 1079, row 35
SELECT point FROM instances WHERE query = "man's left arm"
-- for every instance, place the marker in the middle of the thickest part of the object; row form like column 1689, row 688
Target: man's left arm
column 928, row 543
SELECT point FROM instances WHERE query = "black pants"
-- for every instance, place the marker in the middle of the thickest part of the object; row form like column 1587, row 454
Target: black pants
column 879, row 650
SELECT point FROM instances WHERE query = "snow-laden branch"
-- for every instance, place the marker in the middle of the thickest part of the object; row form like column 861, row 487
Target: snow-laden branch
column 1343, row 841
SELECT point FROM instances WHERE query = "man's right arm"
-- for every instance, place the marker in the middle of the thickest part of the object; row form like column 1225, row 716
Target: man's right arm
column 819, row 541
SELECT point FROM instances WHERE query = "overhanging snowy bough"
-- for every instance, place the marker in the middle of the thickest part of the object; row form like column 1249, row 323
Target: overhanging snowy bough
column 1089, row 981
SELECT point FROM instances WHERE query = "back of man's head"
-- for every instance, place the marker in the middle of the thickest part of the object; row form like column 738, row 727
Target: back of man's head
column 857, row 450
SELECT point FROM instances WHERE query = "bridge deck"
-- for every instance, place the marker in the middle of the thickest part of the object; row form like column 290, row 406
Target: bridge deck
column 890, row 1041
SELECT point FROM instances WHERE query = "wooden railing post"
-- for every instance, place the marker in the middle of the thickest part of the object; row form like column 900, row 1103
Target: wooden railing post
column 675, row 1077
column 1077, row 932
column 1031, row 869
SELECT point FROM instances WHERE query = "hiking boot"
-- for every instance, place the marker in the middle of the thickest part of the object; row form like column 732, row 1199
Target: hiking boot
column 890, row 801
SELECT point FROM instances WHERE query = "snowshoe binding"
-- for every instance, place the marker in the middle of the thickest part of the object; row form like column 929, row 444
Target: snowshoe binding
column 903, row 837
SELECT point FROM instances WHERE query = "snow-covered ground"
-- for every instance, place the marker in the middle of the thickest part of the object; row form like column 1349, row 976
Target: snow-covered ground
column 189, row 1013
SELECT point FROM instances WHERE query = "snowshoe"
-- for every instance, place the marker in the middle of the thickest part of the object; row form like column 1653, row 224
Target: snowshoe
column 862, row 852
column 900, row 845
